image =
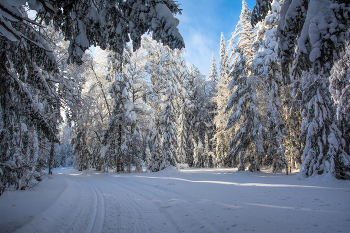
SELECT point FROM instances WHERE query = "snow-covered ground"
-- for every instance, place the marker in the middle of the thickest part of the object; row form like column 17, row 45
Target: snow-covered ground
column 189, row 200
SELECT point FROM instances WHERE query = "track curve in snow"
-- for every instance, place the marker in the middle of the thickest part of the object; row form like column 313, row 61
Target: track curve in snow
column 98, row 215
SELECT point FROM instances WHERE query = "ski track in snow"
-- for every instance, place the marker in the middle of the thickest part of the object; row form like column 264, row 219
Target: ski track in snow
column 96, row 224
column 192, row 200
column 161, row 212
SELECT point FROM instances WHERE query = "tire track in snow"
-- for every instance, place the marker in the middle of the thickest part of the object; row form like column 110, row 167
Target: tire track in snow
column 96, row 225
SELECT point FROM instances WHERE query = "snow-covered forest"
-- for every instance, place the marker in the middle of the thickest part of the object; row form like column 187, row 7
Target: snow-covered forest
column 278, row 98
column 108, row 128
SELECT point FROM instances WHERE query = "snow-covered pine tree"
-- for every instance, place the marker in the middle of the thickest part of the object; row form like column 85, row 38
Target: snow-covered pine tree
column 164, row 65
column 293, row 15
column 245, row 116
column 320, row 34
column 136, row 148
column 211, row 90
column 169, row 146
column 220, row 119
column 147, row 148
column 324, row 144
column 198, row 115
column 261, row 9
column 183, row 128
column 136, row 75
column 323, row 36
column 340, row 90
column 318, row 28
column 28, row 97
column 117, row 135
column 83, row 24
column 208, row 159
column 156, row 147
column 213, row 80
column 266, row 66
column 213, row 72
column 153, row 97
column 244, row 101
column 244, row 34
column 117, row 139
column 81, row 150
column 198, row 154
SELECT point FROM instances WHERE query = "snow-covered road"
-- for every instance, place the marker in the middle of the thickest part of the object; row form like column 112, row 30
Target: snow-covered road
column 190, row 200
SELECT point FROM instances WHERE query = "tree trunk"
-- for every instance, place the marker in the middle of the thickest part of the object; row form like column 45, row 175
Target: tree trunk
column 120, row 157
column 51, row 157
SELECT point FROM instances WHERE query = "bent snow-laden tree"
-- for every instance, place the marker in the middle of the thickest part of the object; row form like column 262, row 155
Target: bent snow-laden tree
column 324, row 144
column 28, row 68
column 318, row 29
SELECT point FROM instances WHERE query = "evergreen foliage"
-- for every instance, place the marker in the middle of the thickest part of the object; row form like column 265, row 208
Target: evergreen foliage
column 324, row 145
column 267, row 68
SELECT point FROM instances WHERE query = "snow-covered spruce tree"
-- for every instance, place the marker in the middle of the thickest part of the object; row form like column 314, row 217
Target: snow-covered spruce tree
column 117, row 135
column 136, row 75
column 147, row 148
column 320, row 36
column 292, row 102
column 85, row 137
column 213, row 80
column 213, row 73
column 198, row 153
column 80, row 149
column 293, row 15
column 266, row 66
column 261, row 9
column 29, row 98
column 83, row 24
column 318, row 28
column 244, row 34
column 156, row 56
column 323, row 36
column 211, row 91
column 221, row 136
column 183, row 128
column 168, row 119
column 208, row 162
column 340, row 90
column 198, row 115
column 163, row 66
column 156, row 147
column 324, row 144
column 247, row 141
column 243, row 104
column 136, row 145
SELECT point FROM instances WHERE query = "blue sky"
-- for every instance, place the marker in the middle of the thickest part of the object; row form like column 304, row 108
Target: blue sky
column 201, row 24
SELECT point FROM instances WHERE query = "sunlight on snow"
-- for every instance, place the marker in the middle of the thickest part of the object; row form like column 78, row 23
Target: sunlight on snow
column 240, row 184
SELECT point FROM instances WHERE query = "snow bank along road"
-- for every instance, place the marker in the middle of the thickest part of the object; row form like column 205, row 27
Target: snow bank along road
column 190, row 200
